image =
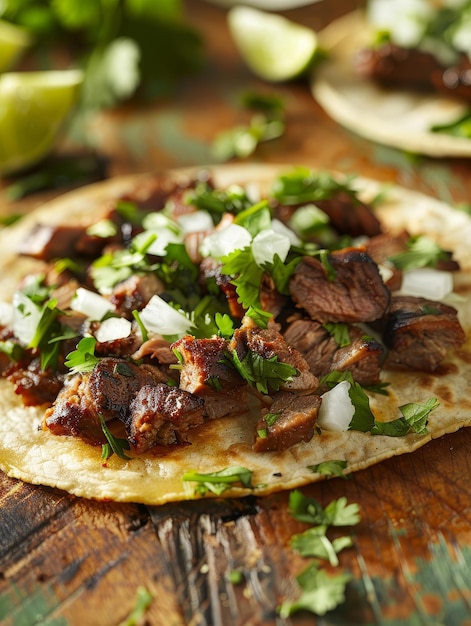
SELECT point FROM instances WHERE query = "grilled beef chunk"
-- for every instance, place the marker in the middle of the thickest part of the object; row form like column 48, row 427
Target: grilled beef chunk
column 289, row 420
column 350, row 289
column 134, row 293
column 162, row 415
column 268, row 343
column 363, row 357
column 108, row 391
column 205, row 374
column 349, row 216
column 419, row 332
column 35, row 385
column 47, row 242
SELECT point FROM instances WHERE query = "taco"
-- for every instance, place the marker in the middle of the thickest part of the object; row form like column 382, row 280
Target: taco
column 237, row 330
column 400, row 80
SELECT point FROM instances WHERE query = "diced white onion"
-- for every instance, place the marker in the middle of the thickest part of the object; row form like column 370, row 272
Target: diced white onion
column 6, row 313
column 26, row 316
column 222, row 242
column 113, row 328
column 337, row 409
column 267, row 243
column 90, row 304
column 281, row 228
column 163, row 237
column 160, row 318
column 196, row 222
column 427, row 283
column 385, row 272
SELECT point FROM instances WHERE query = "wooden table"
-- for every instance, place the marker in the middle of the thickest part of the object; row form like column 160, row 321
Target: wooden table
column 68, row 561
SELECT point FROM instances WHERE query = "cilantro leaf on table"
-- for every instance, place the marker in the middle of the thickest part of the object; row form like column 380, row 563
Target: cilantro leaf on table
column 315, row 543
column 321, row 592
column 337, row 513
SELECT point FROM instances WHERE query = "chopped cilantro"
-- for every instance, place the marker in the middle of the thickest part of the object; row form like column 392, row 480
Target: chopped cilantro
column 315, row 543
column 302, row 186
column 340, row 332
column 83, row 358
column 330, row 468
column 247, row 276
column 217, row 201
column 421, row 252
column 218, row 482
column 115, row 445
column 336, row 513
column 266, row 375
column 142, row 603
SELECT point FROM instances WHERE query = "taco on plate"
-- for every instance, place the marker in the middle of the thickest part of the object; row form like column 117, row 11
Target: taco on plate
column 400, row 73
column 236, row 330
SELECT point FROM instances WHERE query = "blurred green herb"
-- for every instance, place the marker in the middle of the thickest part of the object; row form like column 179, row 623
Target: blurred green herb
column 267, row 122
column 125, row 46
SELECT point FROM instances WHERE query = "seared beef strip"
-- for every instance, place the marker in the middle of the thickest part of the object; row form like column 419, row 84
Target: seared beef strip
column 108, row 391
column 291, row 419
column 349, row 290
column 393, row 66
column 419, row 333
column 205, row 374
column 268, row 342
column 347, row 215
column 363, row 357
column 162, row 415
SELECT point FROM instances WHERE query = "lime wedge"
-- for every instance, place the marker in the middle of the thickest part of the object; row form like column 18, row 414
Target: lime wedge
column 274, row 48
column 33, row 107
column 14, row 40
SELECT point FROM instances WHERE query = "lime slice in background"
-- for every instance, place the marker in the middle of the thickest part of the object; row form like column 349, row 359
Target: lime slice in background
column 274, row 48
column 14, row 40
column 33, row 107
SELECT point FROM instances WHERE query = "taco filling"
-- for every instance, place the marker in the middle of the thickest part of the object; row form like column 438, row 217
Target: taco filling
column 183, row 304
column 419, row 45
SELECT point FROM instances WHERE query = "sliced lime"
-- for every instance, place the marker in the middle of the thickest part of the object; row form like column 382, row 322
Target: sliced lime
column 33, row 107
column 14, row 40
column 274, row 48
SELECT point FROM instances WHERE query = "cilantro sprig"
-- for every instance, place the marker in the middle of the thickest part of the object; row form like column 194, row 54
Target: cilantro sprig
column 320, row 591
column 83, row 358
column 421, row 252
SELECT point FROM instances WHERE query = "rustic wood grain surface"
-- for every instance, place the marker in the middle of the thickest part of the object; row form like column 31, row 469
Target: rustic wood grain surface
column 69, row 561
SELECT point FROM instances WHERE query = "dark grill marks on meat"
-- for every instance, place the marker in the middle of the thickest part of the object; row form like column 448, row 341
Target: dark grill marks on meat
column 205, row 374
column 363, row 357
column 108, row 391
column 354, row 293
column 292, row 420
column 162, row 415
column 151, row 411
column 419, row 333
column 268, row 343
